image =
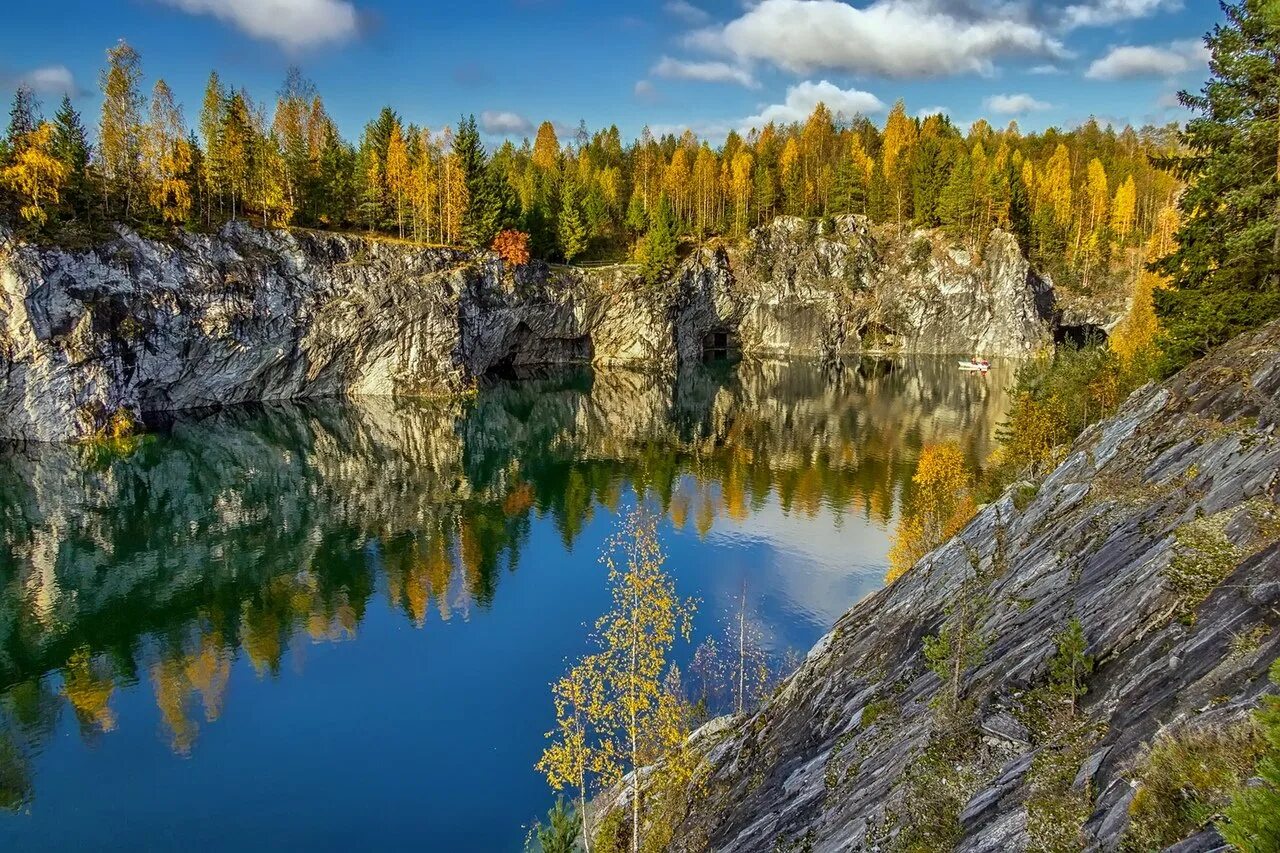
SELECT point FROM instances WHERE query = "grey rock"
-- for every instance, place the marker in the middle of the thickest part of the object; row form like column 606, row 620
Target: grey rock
column 141, row 326
column 1092, row 545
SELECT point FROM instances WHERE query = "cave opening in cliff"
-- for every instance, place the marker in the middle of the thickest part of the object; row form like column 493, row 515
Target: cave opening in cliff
column 719, row 344
column 1080, row 335
column 529, row 352
column 877, row 336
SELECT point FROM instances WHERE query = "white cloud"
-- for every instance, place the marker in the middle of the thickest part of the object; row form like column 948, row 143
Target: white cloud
column 686, row 12
column 1129, row 62
column 1014, row 104
column 501, row 123
column 1044, row 70
column 645, row 90
column 891, row 38
column 1103, row 12
column 932, row 111
column 293, row 24
column 1169, row 101
column 705, row 72
column 50, row 80
column 803, row 97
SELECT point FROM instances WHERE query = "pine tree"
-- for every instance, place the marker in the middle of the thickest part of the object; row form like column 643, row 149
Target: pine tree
column 1225, row 271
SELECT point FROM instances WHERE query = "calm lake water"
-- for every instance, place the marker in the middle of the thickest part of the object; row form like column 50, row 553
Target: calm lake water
column 333, row 625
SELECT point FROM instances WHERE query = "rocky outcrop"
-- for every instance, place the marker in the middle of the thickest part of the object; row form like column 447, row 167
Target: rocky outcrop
column 141, row 326
column 1188, row 471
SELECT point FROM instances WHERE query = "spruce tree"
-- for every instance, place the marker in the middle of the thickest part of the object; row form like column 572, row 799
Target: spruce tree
column 71, row 146
column 571, row 226
column 1225, row 271
column 24, row 116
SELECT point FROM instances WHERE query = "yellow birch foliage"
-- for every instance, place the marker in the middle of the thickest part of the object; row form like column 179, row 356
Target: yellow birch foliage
column 167, row 157
column 36, row 175
column 1134, row 338
column 1122, row 209
column 631, row 710
column 570, row 757
column 941, row 506
column 399, row 177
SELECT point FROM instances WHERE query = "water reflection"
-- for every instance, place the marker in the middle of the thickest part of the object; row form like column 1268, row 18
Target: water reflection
column 243, row 534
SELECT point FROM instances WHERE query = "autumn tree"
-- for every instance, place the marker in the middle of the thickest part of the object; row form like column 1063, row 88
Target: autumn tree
column 573, row 754
column 120, row 132
column 895, row 159
column 512, row 246
column 941, row 504
column 635, row 716
column 36, row 174
column 398, row 174
column 212, row 119
column 167, row 157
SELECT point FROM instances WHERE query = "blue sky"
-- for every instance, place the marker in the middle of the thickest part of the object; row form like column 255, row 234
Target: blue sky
column 712, row 65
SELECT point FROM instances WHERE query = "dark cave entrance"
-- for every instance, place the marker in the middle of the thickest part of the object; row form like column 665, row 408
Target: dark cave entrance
column 529, row 353
column 1080, row 335
column 719, row 344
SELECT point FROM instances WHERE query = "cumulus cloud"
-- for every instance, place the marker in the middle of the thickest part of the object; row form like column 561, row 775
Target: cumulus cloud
column 1129, row 62
column 1014, row 104
column 1100, row 13
column 686, row 12
column 932, row 111
column 705, row 72
column 49, row 80
column 292, row 24
column 803, row 97
column 891, row 38
column 502, row 123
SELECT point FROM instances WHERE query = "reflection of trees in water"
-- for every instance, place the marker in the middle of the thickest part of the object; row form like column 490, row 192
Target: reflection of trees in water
column 240, row 531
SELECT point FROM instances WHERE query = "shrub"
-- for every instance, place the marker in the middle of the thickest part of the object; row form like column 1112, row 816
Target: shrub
column 1252, row 821
column 1186, row 780
column 512, row 246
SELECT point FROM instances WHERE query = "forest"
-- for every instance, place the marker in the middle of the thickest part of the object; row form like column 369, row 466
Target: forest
column 1078, row 200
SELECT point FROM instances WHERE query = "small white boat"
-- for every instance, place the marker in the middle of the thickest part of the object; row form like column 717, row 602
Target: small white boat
column 981, row 365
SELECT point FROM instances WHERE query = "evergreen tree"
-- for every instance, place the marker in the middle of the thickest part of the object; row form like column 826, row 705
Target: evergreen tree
column 71, row 146
column 24, row 116
column 561, row 833
column 571, row 229
column 955, row 204
column 1225, row 271
column 657, row 251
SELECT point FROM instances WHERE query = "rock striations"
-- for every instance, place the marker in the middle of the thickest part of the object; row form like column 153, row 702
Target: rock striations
column 141, row 326
column 1187, row 476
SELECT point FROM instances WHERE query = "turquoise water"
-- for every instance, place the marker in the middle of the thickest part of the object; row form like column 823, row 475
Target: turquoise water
column 334, row 624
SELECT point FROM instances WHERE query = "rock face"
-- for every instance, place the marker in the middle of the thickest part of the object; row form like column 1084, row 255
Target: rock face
column 1187, row 470
column 141, row 326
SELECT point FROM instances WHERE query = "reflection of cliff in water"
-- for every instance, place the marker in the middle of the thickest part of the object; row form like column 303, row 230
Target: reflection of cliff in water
column 244, row 529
